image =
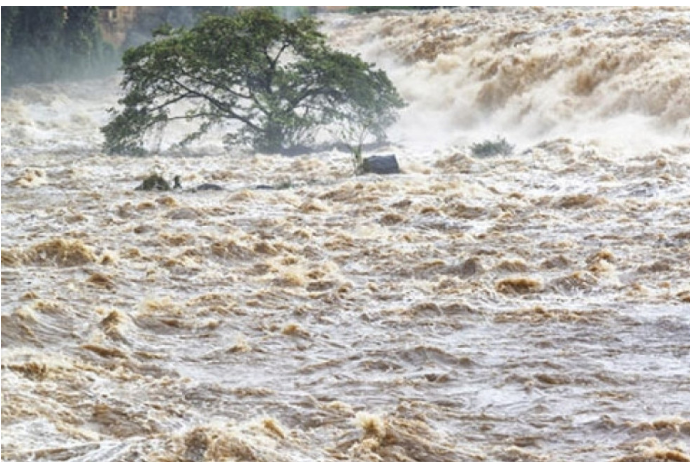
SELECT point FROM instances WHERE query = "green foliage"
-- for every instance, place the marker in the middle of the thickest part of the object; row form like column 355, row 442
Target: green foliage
column 489, row 148
column 277, row 80
column 46, row 43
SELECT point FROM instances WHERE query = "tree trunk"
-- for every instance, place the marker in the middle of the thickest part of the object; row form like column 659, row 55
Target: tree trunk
column 273, row 138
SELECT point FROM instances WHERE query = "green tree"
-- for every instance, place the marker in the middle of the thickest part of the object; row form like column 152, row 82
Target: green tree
column 277, row 79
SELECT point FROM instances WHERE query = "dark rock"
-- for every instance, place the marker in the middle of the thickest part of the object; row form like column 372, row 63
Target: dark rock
column 153, row 182
column 208, row 187
column 381, row 165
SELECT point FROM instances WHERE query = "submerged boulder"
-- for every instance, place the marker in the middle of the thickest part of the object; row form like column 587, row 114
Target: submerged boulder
column 208, row 187
column 382, row 165
column 154, row 182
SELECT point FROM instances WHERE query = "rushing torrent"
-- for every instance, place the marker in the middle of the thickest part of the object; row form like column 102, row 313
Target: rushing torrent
column 530, row 307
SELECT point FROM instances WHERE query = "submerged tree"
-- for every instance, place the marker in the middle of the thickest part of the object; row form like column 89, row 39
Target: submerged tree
column 277, row 79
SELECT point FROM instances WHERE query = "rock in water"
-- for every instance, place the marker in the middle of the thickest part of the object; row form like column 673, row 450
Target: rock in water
column 153, row 182
column 208, row 187
column 382, row 165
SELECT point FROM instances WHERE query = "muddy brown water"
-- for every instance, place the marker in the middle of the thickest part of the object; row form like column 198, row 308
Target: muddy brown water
column 533, row 307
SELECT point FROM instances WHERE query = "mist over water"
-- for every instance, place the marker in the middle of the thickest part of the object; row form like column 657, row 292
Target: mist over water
column 532, row 307
column 612, row 76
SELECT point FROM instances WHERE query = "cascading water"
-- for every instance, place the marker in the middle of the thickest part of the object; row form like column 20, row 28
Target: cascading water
column 526, row 307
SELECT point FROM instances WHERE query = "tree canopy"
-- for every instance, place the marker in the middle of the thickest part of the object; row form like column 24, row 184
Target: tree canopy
column 272, row 82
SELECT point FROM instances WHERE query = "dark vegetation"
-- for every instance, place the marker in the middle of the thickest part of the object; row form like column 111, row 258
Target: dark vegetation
column 51, row 43
column 492, row 148
column 273, row 83
column 46, row 43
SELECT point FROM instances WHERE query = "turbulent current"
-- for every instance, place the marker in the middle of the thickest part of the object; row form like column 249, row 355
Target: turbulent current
column 528, row 307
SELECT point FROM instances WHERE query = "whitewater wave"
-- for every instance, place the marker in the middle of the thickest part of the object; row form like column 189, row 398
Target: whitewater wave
column 614, row 75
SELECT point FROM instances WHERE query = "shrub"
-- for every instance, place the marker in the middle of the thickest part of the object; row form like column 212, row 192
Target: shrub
column 488, row 148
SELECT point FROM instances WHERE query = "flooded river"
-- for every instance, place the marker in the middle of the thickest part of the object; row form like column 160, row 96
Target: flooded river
column 530, row 307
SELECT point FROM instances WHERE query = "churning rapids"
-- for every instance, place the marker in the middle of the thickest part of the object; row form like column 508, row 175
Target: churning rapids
column 532, row 307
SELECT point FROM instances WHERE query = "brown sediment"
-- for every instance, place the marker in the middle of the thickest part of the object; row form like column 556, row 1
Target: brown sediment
column 17, row 328
column 230, row 248
column 242, row 196
column 273, row 427
column 557, row 262
column 30, row 178
column 109, row 258
column 602, row 255
column 12, row 257
column 261, row 441
column 255, row 325
column 196, row 444
column 48, row 306
column 399, row 438
column 660, row 266
column 113, row 323
column 670, row 424
column 512, row 266
column 31, row 295
column 430, row 265
column 579, row 280
column 392, row 219
column 266, row 248
column 519, row 285
column 121, row 423
column 538, row 314
column 600, row 266
column 655, row 455
column 518, row 454
column 132, row 252
column 291, row 277
column 457, row 209
column 313, row 206
column 177, row 239
column 146, row 205
column 579, row 201
column 101, row 280
column 159, row 306
column 212, row 298
column 167, row 201
column 105, row 351
column 31, row 370
column 63, row 252
column 240, row 346
column 294, row 329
